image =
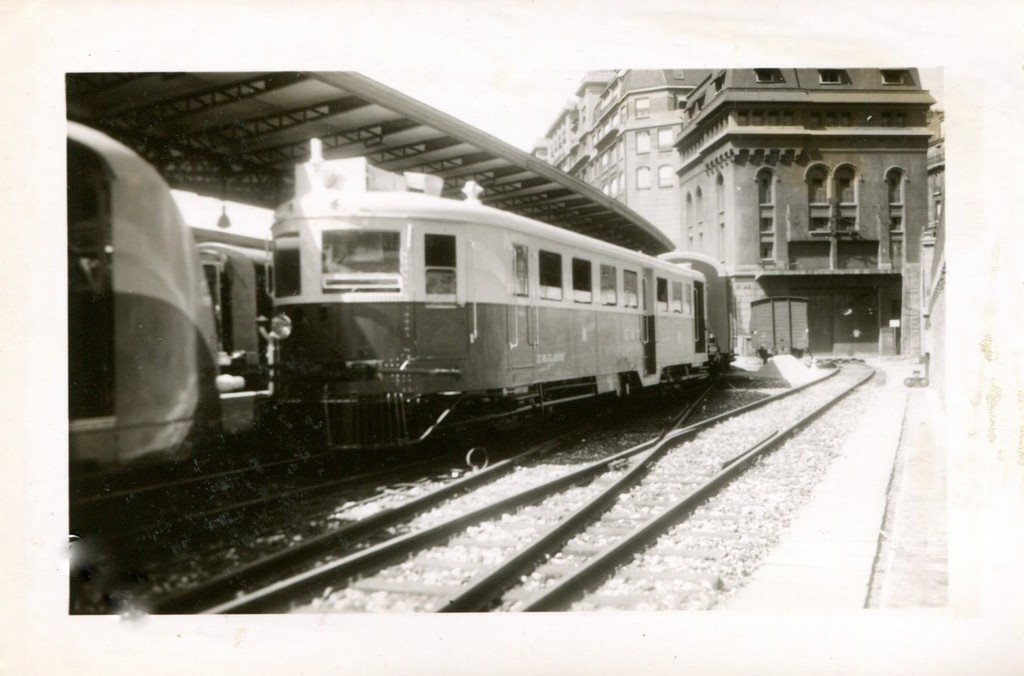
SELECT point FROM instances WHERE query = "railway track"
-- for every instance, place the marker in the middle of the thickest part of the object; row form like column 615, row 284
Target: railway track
column 383, row 571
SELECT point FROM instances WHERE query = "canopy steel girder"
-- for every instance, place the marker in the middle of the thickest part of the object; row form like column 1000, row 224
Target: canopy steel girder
column 238, row 136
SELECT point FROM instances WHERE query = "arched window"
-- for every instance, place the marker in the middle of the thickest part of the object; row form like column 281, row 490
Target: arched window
column 720, row 193
column 817, row 176
column 643, row 178
column 689, row 210
column 666, row 177
column 765, row 189
column 699, row 204
column 844, row 185
column 894, row 186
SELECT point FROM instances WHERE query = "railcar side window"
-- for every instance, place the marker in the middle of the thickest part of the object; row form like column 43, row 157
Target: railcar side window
column 550, row 275
column 287, row 277
column 688, row 298
column 609, row 285
column 629, row 284
column 677, row 297
column 520, row 256
column 439, row 264
column 662, row 295
column 582, row 281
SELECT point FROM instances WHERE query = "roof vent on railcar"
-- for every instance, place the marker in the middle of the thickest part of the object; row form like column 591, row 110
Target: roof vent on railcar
column 356, row 175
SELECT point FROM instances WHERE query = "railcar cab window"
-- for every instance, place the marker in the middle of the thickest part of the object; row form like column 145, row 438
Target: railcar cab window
column 629, row 287
column 550, row 275
column 439, row 264
column 582, row 281
column 662, row 289
column 287, row 275
column 609, row 285
column 677, row 297
column 521, row 264
column 360, row 260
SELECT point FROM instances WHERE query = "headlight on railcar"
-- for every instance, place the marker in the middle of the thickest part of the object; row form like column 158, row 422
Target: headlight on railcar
column 281, row 326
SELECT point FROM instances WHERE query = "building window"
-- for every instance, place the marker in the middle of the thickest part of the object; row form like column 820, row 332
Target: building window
column 819, row 223
column 831, row 76
column 522, row 267
column 666, row 177
column 689, row 213
column 643, row 141
column 666, row 137
column 894, row 77
column 816, row 181
column 720, row 193
column 699, row 204
column 550, row 275
column 609, row 285
column 844, row 185
column 629, row 289
column 643, row 178
column 765, row 188
column 719, row 83
column 642, row 107
column 721, row 242
column 582, row 282
column 894, row 185
column 767, row 224
column 767, row 75
column 767, row 251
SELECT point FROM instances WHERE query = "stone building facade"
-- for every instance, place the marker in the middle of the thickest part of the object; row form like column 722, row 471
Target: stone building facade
column 810, row 183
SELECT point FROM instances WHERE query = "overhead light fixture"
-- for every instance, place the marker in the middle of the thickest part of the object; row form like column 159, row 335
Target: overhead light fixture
column 224, row 222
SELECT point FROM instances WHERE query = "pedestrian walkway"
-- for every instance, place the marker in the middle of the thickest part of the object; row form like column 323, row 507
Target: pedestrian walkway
column 827, row 556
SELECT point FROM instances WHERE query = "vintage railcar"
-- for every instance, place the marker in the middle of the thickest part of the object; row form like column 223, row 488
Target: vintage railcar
column 399, row 310
column 141, row 358
column 237, row 276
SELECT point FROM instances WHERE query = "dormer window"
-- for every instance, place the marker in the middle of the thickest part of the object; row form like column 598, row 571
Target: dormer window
column 831, row 76
column 894, row 77
column 767, row 75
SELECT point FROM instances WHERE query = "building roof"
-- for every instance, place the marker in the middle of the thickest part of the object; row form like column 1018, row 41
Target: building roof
column 238, row 136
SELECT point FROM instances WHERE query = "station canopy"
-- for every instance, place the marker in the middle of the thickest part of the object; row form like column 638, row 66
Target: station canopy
column 237, row 136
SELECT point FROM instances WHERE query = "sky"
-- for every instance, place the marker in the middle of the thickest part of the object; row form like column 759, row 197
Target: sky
column 516, row 106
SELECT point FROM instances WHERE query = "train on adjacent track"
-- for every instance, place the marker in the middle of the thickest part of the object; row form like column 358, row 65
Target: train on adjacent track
column 398, row 310
column 158, row 367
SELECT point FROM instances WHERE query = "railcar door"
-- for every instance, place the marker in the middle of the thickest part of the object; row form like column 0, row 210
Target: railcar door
column 441, row 326
column 648, row 324
column 699, row 327
column 90, row 287
column 521, row 334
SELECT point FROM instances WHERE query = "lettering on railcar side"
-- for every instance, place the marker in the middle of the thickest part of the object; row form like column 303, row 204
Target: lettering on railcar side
column 551, row 358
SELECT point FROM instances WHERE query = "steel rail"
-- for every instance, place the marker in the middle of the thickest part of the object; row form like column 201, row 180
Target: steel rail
column 571, row 586
column 486, row 587
column 278, row 594
column 221, row 586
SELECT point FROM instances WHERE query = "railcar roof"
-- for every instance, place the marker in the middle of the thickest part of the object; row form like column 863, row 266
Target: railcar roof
column 239, row 135
column 420, row 206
